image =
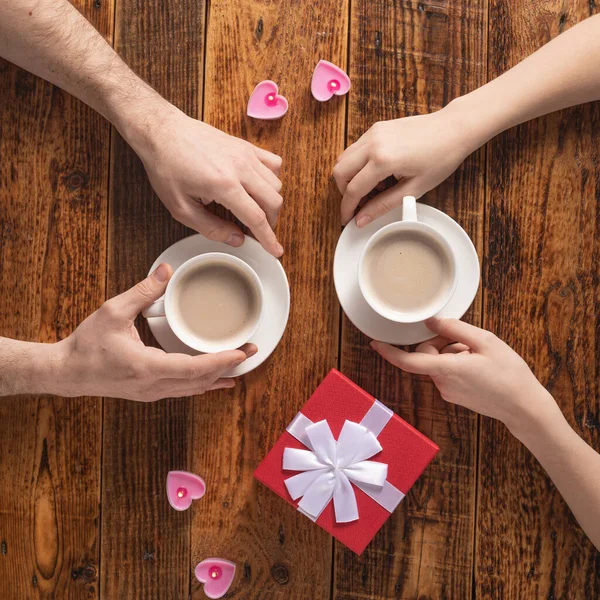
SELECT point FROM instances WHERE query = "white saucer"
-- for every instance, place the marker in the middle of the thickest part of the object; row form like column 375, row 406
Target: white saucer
column 276, row 296
column 345, row 276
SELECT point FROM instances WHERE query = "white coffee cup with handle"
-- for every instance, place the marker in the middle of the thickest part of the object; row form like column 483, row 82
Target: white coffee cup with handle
column 220, row 311
column 407, row 271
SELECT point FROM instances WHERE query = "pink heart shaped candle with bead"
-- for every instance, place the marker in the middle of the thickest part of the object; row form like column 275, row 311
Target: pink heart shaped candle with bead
column 328, row 80
column 266, row 103
column 183, row 487
column 217, row 576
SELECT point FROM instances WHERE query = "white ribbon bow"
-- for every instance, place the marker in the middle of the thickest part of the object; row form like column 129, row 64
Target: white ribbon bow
column 329, row 469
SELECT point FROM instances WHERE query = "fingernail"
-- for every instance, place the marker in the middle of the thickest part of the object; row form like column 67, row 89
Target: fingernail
column 362, row 221
column 251, row 352
column 161, row 273
column 279, row 250
column 235, row 239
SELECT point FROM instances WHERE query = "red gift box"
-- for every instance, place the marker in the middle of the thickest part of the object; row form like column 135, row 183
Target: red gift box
column 389, row 443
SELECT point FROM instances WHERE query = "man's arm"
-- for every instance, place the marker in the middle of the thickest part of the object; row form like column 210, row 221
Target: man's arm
column 186, row 160
column 54, row 41
column 29, row 368
column 104, row 356
column 422, row 151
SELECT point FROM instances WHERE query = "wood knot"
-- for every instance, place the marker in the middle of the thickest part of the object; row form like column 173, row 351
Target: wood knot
column 148, row 555
column 260, row 27
column 76, row 180
column 378, row 43
column 561, row 22
column 4, row 548
column 247, row 571
column 281, row 535
column 280, row 574
column 85, row 575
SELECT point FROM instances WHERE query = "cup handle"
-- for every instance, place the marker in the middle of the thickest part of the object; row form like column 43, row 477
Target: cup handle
column 157, row 309
column 409, row 208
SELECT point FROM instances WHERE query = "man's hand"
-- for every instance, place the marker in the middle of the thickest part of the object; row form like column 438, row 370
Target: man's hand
column 104, row 356
column 473, row 368
column 419, row 152
column 191, row 164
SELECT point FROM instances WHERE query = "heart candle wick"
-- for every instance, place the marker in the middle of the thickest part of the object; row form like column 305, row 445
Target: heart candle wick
column 215, row 572
column 270, row 100
column 333, row 85
column 181, row 492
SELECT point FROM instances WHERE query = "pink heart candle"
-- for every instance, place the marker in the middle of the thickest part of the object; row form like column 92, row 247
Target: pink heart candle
column 183, row 487
column 328, row 80
column 217, row 576
column 266, row 103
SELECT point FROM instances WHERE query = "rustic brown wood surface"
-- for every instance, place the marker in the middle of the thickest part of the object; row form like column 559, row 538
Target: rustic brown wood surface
column 413, row 59
column 145, row 543
column 542, row 298
column 280, row 554
column 83, row 512
column 53, row 220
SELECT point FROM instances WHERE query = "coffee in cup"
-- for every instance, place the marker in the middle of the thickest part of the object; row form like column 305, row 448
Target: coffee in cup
column 213, row 302
column 407, row 270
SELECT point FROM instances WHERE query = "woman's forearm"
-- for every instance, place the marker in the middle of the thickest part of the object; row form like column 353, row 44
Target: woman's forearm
column 563, row 73
column 573, row 466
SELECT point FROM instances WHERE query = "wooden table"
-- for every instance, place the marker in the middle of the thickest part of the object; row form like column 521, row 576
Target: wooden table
column 83, row 513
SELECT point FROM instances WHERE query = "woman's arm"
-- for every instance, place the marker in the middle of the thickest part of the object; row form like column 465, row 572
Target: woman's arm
column 473, row 368
column 573, row 466
column 422, row 151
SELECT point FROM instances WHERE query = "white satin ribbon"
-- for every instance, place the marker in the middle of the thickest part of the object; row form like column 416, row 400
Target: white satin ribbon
column 330, row 467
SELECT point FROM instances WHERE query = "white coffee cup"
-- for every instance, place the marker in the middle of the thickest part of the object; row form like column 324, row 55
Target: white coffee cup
column 409, row 224
column 167, row 305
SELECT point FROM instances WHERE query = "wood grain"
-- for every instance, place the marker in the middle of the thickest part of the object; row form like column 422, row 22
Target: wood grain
column 543, row 183
column 279, row 553
column 53, row 224
column 145, row 543
column 413, row 58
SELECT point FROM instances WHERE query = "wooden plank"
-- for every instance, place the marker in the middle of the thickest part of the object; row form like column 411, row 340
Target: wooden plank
column 413, row 58
column 142, row 535
column 279, row 553
column 53, row 227
column 542, row 298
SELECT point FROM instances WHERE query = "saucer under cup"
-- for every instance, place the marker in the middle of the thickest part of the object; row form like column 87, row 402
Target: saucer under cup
column 276, row 296
column 372, row 324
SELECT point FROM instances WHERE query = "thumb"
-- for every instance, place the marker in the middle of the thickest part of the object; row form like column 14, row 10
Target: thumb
column 130, row 303
column 459, row 331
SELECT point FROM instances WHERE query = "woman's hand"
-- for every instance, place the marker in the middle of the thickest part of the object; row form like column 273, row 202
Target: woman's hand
column 474, row 368
column 420, row 152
